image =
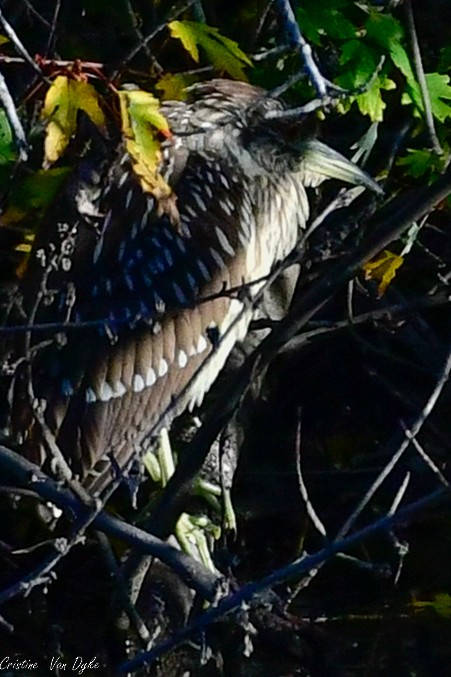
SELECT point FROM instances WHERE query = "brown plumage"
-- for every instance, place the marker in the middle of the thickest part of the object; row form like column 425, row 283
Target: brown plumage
column 240, row 187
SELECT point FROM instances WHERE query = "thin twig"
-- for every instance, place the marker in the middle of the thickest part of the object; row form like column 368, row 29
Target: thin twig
column 192, row 572
column 426, row 458
column 329, row 99
column 400, row 494
column 298, row 41
column 36, row 14
column 311, row 512
column 13, row 119
column 52, row 33
column 12, row 35
column 387, row 314
column 298, row 568
column 409, row 434
column 145, row 41
column 419, row 70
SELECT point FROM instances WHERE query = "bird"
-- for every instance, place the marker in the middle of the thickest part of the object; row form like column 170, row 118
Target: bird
column 152, row 292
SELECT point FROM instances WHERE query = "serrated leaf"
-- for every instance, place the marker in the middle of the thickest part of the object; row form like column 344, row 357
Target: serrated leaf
column 141, row 121
column 383, row 269
column 318, row 19
column 361, row 62
column 222, row 52
column 371, row 102
column 421, row 162
column 8, row 151
column 384, row 29
column 64, row 99
column 187, row 36
column 439, row 93
column 401, row 60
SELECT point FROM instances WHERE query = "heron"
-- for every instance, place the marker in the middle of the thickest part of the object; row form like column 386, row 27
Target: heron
column 158, row 285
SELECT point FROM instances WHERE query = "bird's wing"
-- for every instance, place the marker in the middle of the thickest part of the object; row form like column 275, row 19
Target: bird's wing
column 101, row 389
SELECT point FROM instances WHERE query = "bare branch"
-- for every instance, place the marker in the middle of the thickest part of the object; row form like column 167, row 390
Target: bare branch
column 192, row 572
column 298, row 41
column 419, row 70
column 408, row 436
column 13, row 118
column 12, row 35
column 294, row 570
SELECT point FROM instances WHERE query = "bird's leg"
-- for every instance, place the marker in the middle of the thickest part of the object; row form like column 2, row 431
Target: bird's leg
column 165, row 457
column 212, row 493
column 195, row 534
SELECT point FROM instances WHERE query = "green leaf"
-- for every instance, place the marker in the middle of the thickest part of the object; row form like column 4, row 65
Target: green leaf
column 439, row 93
column 371, row 102
column 173, row 86
column 223, row 53
column 7, row 148
column 361, row 62
column 422, row 162
column 37, row 191
column 384, row 30
column 320, row 18
column 187, row 36
column 401, row 60
column 361, row 59
column 441, row 604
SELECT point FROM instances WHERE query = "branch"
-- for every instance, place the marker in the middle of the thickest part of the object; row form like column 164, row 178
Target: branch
column 13, row 119
column 328, row 99
column 298, row 41
column 193, row 573
column 419, row 70
column 409, row 435
column 12, row 35
column 146, row 40
column 294, row 570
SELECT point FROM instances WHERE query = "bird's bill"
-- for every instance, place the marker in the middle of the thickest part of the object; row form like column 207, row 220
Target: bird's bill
column 322, row 162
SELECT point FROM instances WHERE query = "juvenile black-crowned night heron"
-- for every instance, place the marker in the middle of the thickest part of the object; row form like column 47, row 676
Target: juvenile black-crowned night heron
column 240, row 183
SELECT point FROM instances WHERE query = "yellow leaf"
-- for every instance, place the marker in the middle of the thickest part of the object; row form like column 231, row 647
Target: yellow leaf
column 184, row 32
column 222, row 52
column 64, row 99
column 25, row 248
column 383, row 269
column 141, row 119
column 12, row 216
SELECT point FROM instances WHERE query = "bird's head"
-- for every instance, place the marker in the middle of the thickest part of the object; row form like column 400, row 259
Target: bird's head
column 235, row 117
